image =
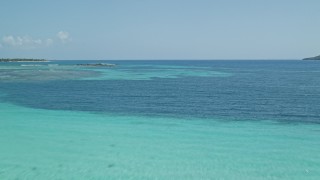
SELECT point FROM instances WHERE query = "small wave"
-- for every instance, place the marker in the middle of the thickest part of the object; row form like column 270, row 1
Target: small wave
column 32, row 65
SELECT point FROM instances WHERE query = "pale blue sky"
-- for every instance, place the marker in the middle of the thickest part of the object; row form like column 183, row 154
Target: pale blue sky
column 160, row 29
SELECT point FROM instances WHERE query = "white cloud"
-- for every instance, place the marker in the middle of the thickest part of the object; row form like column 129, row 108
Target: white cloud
column 49, row 41
column 9, row 40
column 25, row 42
column 64, row 36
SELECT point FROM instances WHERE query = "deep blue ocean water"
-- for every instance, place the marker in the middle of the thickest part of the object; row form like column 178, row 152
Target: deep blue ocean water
column 287, row 91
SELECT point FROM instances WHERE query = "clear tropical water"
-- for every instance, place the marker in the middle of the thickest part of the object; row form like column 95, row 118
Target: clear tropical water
column 160, row 120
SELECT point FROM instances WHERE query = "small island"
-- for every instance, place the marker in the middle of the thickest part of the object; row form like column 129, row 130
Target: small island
column 312, row 58
column 22, row 60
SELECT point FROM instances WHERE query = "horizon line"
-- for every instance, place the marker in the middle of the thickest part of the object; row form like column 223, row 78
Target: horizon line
column 173, row 59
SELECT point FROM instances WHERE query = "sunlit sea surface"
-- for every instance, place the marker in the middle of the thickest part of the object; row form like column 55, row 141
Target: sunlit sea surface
column 160, row 120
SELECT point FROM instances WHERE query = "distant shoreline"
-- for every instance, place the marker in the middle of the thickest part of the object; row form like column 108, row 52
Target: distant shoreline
column 23, row 60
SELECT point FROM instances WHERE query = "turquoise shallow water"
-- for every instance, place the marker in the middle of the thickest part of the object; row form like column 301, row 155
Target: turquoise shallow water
column 44, row 144
column 160, row 72
column 43, row 72
column 160, row 120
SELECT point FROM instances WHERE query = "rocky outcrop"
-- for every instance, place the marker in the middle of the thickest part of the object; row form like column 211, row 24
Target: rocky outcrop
column 97, row 65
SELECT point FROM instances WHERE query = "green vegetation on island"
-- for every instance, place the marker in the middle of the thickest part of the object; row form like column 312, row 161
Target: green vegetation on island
column 313, row 58
column 22, row 60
